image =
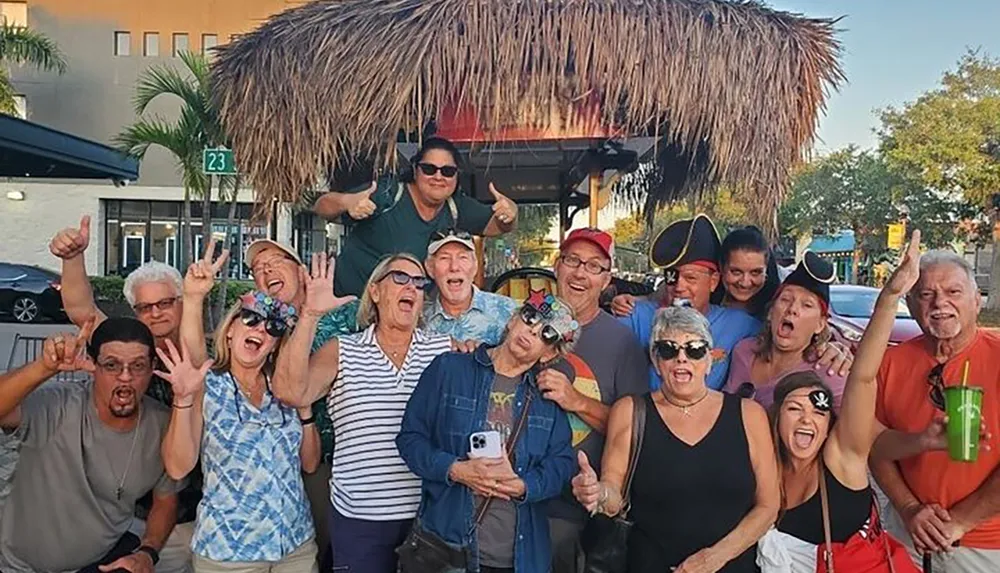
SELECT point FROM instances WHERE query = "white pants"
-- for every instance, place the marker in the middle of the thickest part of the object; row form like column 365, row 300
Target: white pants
column 958, row 560
column 175, row 557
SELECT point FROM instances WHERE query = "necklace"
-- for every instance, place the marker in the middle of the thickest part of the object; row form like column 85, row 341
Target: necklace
column 685, row 408
column 131, row 450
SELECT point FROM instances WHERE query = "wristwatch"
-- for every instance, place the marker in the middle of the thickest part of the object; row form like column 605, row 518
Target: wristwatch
column 153, row 554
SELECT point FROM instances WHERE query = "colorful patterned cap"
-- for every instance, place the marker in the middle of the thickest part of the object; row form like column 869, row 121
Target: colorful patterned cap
column 554, row 313
column 270, row 308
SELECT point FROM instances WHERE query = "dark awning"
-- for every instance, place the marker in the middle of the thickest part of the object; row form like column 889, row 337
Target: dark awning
column 31, row 150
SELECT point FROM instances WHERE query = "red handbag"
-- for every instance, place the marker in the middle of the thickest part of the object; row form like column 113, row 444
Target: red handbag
column 870, row 550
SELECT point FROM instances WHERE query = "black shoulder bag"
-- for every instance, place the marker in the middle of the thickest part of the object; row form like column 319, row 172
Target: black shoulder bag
column 424, row 552
column 605, row 539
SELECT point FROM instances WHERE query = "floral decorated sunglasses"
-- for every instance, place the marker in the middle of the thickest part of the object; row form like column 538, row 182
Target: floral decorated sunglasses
column 278, row 317
column 558, row 321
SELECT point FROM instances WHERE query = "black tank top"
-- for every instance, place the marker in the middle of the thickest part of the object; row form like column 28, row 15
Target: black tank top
column 686, row 498
column 849, row 510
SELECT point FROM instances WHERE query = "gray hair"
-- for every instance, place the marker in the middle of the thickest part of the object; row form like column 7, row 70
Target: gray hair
column 152, row 272
column 940, row 257
column 367, row 312
column 680, row 319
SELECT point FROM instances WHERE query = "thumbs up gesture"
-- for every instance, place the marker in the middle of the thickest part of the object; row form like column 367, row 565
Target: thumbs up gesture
column 70, row 243
column 363, row 206
column 586, row 486
column 504, row 209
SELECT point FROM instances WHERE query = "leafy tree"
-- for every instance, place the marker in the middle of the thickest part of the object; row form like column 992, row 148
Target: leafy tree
column 197, row 127
column 858, row 190
column 949, row 138
column 20, row 46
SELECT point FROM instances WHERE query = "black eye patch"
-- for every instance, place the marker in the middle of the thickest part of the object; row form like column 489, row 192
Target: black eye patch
column 821, row 400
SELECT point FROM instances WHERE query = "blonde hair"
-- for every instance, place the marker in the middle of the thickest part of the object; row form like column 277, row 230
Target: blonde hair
column 367, row 311
column 220, row 340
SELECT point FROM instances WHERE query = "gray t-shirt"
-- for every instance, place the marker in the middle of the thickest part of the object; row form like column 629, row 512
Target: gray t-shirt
column 609, row 364
column 496, row 531
column 63, row 512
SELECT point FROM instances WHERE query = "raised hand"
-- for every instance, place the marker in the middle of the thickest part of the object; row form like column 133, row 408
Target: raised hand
column 185, row 379
column 908, row 271
column 68, row 352
column 363, row 206
column 70, row 243
column 319, row 287
column 504, row 209
column 586, row 486
column 200, row 276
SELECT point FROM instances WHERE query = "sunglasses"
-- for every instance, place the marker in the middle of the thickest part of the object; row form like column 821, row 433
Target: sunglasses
column 669, row 350
column 275, row 328
column 401, row 278
column 531, row 317
column 936, row 380
column 429, row 169
column 446, row 233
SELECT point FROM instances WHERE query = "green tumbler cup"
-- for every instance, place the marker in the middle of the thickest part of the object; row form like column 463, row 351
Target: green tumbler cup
column 963, row 405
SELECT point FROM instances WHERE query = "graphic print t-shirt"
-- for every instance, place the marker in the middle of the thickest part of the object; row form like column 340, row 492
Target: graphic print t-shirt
column 496, row 532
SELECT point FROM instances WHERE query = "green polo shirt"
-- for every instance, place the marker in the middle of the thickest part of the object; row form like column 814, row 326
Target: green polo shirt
column 396, row 227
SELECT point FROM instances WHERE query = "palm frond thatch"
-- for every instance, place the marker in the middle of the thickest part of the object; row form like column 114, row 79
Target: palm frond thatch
column 732, row 88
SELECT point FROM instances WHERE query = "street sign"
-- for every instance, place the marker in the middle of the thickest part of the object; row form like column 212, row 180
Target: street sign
column 218, row 161
column 897, row 232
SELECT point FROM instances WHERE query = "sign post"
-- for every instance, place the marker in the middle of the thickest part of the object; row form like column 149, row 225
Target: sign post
column 218, row 161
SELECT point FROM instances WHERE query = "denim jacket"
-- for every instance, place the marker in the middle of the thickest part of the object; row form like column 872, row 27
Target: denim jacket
column 450, row 403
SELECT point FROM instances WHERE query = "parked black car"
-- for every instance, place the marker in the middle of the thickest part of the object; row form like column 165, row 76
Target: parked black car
column 29, row 293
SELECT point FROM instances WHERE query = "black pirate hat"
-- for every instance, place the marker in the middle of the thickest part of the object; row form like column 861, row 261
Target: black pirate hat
column 814, row 274
column 684, row 242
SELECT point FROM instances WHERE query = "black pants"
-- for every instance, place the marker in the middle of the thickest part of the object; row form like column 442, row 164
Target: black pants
column 485, row 569
column 125, row 546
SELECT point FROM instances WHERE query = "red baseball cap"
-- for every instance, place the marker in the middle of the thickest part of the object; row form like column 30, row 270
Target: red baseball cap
column 596, row 237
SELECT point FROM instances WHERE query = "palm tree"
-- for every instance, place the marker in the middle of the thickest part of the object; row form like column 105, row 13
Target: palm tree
column 197, row 127
column 20, row 46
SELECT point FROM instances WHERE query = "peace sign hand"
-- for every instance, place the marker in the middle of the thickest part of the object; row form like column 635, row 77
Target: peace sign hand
column 68, row 352
column 319, row 287
column 185, row 379
column 908, row 271
column 504, row 209
column 200, row 275
column 70, row 243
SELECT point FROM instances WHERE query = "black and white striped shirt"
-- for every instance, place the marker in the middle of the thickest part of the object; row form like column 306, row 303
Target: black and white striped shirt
column 366, row 404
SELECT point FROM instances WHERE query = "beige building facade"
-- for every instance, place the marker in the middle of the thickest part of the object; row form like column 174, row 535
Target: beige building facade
column 107, row 45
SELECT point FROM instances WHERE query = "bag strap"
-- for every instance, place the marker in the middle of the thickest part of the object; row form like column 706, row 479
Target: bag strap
column 639, row 408
column 511, row 442
column 884, row 534
column 825, row 502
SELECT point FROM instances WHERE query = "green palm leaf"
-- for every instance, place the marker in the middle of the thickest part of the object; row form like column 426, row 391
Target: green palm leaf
column 23, row 47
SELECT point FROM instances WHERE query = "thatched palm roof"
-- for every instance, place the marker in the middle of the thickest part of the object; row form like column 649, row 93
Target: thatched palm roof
column 733, row 88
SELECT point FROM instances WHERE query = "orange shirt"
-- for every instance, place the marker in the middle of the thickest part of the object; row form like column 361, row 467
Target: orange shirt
column 904, row 404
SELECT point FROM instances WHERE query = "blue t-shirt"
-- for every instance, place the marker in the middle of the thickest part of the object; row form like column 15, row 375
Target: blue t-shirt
column 728, row 327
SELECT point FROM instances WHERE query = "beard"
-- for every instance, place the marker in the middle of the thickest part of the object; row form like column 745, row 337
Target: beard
column 124, row 402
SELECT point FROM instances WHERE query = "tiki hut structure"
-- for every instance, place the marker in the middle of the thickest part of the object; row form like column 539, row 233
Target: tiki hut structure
column 707, row 92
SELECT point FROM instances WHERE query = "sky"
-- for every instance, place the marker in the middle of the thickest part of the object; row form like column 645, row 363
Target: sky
column 893, row 50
